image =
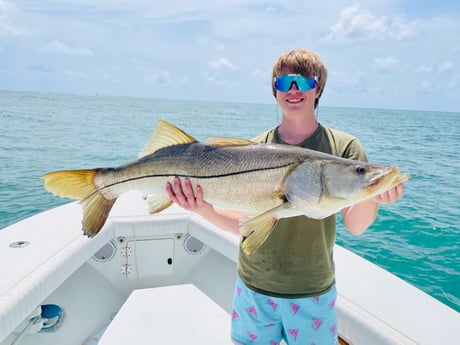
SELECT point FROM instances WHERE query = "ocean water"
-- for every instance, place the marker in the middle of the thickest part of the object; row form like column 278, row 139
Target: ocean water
column 418, row 238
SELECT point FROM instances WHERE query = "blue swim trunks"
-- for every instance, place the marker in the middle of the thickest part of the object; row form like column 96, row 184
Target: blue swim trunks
column 258, row 319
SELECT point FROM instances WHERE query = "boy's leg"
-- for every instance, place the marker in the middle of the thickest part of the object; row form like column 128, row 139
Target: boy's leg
column 311, row 320
column 254, row 320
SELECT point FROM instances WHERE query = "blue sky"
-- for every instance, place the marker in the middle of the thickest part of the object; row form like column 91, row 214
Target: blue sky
column 379, row 54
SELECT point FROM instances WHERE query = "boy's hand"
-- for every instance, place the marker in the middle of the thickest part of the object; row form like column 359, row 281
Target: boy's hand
column 390, row 196
column 186, row 197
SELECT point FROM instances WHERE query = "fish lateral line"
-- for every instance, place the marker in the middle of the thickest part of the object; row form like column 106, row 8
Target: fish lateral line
column 131, row 179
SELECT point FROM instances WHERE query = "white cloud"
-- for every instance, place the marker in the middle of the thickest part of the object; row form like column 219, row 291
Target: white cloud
column 359, row 24
column 434, row 67
column 62, row 48
column 453, row 84
column 446, row 66
column 7, row 28
column 385, row 64
column 425, row 68
column 356, row 82
column 215, row 80
column 163, row 77
column 77, row 75
column 159, row 77
column 222, row 63
column 260, row 74
column 425, row 87
column 220, row 46
column 202, row 42
column 207, row 42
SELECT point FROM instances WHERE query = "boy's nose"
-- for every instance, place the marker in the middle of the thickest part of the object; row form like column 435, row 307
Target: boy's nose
column 293, row 86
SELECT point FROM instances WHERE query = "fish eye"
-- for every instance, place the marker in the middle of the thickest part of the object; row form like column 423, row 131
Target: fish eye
column 361, row 171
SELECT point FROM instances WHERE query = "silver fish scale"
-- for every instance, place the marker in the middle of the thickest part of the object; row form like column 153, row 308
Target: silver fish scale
column 202, row 160
column 251, row 174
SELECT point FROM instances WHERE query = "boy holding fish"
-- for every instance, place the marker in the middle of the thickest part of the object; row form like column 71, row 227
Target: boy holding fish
column 286, row 289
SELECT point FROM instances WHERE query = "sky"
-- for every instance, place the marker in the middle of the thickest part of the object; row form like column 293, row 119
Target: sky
column 397, row 54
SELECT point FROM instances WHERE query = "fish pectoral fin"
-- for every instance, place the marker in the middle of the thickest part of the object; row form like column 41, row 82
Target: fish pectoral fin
column 157, row 203
column 166, row 135
column 261, row 228
column 228, row 142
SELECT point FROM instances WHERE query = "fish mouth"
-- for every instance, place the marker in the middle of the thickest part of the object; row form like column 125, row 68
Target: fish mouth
column 386, row 181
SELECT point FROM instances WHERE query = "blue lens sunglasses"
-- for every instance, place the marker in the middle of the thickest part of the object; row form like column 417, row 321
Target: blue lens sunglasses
column 284, row 82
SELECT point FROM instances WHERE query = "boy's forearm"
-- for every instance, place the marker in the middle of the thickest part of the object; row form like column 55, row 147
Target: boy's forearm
column 359, row 217
column 224, row 219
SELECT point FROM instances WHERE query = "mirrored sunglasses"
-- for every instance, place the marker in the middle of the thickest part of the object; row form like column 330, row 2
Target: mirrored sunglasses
column 284, row 82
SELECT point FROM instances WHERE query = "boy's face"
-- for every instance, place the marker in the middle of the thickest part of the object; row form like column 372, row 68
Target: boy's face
column 296, row 102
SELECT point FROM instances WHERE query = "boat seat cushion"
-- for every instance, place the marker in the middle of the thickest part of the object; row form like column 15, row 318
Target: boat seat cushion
column 179, row 314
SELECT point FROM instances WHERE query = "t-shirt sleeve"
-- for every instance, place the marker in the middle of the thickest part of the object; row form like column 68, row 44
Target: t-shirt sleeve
column 264, row 137
column 354, row 150
column 346, row 145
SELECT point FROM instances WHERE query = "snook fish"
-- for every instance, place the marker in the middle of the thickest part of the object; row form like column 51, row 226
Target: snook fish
column 265, row 181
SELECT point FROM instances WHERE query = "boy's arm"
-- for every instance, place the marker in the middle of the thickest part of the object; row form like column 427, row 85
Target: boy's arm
column 359, row 217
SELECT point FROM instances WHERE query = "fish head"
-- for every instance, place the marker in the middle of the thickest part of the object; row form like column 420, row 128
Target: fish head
column 347, row 182
column 323, row 187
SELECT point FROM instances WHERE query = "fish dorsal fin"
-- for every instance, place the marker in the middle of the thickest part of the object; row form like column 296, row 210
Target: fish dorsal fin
column 227, row 142
column 166, row 135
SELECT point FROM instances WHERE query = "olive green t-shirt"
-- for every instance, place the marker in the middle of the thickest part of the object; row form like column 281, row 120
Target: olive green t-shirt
column 297, row 258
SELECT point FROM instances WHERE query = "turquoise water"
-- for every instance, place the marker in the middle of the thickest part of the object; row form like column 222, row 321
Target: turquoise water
column 417, row 238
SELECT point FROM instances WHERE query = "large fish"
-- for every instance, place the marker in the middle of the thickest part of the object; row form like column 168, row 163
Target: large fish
column 265, row 181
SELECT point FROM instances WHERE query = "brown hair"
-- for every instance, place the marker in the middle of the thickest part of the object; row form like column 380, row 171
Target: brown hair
column 304, row 62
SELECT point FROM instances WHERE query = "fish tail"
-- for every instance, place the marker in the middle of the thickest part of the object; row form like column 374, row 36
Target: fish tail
column 79, row 184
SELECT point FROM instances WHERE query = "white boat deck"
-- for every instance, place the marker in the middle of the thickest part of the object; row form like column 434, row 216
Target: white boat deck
column 169, row 315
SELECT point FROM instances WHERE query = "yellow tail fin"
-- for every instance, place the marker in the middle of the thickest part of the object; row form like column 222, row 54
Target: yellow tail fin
column 79, row 184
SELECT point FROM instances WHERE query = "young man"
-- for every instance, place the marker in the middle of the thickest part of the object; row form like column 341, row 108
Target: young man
column 286, row 289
